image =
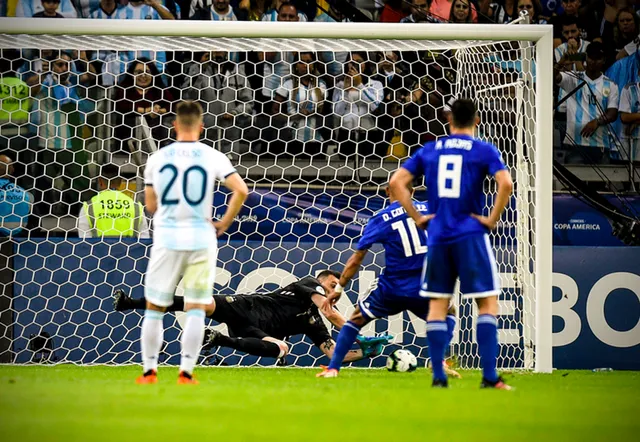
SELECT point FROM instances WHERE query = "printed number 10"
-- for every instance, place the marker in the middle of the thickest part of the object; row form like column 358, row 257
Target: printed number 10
column 415, row 237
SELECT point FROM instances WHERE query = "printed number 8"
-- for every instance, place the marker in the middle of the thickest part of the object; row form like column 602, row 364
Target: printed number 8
column 449, row 176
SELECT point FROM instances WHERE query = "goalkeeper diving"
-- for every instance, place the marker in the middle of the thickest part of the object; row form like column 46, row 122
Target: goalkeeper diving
column 259, row 323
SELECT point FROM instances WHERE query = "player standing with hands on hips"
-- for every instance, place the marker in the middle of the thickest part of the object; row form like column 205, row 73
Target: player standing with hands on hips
column 179, row 184
column 454, row 168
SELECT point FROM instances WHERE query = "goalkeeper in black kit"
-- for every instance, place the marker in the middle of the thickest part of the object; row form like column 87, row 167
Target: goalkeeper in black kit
column 259, row 323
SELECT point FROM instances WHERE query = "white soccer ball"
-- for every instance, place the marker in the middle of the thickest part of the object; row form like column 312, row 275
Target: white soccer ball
column 402, row 361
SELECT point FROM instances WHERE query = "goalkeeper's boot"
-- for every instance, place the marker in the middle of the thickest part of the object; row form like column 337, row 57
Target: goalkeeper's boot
column 327, row 372
column 210, row 339
column 440, row 383
column 373, row 345
column 498, row 385
column 121, row 300
column 149, row 377
column 185, row 378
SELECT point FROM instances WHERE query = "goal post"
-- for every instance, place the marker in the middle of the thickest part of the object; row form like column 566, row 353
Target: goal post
column 329, row 196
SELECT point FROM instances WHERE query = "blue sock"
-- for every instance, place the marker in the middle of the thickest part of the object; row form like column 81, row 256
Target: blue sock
column 346, row 338
column 437, row 338
column 451, row 326
column 487, row 335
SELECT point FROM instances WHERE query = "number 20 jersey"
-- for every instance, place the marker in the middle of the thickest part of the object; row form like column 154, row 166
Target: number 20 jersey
column 454, row 168
column 183, row 176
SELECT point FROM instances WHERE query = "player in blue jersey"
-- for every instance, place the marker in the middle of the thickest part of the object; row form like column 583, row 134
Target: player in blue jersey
column 397, row 288
column 455, row 168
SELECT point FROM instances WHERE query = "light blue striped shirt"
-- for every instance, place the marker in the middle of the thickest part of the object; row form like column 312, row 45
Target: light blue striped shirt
column 630, row 103
column 587, row 104
column 183, row 177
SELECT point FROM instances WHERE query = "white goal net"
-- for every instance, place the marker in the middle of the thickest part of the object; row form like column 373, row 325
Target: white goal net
column 315, row 125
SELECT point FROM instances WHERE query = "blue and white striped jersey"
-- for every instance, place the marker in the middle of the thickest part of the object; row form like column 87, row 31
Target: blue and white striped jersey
column 101, row 14
column 142, row 12
column 229, row 16
column 587, row 104
column 630, row 103
column 183, row 176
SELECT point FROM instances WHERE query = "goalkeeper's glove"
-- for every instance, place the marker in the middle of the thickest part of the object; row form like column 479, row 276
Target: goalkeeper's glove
column 373, row 345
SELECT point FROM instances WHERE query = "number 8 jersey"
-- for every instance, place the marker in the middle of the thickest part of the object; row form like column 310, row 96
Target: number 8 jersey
column 183, row 176
column 454, row 168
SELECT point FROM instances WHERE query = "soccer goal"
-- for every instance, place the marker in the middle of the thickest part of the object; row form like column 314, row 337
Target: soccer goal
column 316, row 117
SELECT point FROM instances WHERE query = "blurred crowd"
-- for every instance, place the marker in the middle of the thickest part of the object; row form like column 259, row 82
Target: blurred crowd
column 64, row 112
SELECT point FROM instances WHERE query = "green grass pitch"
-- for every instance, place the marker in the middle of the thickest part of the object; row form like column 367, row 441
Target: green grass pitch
column 68, row 403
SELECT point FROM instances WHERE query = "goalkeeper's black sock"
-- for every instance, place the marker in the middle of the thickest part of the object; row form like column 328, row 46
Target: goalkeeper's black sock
column 141, row 304
column 253, row 346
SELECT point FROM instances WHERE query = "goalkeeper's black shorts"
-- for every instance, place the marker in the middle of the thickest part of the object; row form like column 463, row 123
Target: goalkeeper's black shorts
column 239, row 315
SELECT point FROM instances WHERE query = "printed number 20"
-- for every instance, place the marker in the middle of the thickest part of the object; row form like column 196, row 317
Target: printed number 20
column 449, row 176
column 165, row 200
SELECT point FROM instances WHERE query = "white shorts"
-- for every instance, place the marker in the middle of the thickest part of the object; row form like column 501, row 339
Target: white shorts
column 167, row 267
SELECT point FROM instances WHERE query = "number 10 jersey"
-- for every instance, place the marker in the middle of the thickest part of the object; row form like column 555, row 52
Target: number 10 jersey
column 183, row 176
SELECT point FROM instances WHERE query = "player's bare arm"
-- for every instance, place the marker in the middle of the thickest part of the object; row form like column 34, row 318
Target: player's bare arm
column 332, row 315
column 505, row 188
column 350, row 269
column 400, row 187
column 240, row 192
column 150, row 200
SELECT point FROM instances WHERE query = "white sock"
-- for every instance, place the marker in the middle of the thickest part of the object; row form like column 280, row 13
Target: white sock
column 192, row 336
column 151, row 339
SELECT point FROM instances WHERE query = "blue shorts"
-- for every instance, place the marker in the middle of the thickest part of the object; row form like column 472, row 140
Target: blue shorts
column 382, row 301
column 471, row 259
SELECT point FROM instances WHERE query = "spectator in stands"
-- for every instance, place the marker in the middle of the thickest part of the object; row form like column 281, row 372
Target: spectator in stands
column 356, row 98
column 221, row 87
column 107, row 9
column 15, row 104
column 589, row 110
column 220, row 10
column 144, row 103
column 15, row 202
column 503, row 11
column 572, row 53
column 441, row 9
column 145, row 10
column 587, row 23
column 49, row 10
column 58, row 115
column 420, row 13
column 534, row 9
column 625, row 30
column 284, row 10
column 257, row 8
column 29, row 8
column 393, row 12
column 278, row 64
column 331, row 15
column 84, row 8
column 301, row 98
column 630, row 116
column 460, row 12
column 112, row 213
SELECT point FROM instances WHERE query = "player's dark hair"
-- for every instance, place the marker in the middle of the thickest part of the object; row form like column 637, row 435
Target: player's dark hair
column 463, row 112
column 325, row 273
column 189, row 112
